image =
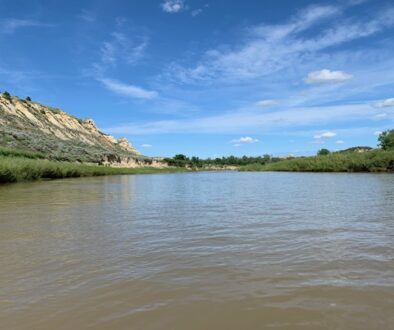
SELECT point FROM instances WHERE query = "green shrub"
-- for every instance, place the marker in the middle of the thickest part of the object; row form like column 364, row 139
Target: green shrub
column 7, row 95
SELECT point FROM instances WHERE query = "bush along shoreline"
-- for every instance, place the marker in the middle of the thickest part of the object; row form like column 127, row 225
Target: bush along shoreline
column 368, row 161
column 18, row 169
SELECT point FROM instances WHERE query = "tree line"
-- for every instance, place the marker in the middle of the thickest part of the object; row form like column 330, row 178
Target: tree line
column 181, row 160
column 385, row 139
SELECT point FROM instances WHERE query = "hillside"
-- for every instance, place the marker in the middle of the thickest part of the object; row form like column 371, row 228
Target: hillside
column 32, row 126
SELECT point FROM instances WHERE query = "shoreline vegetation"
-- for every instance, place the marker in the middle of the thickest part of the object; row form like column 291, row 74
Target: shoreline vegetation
column 369, row 161
column 355, row 159
column 20, row 166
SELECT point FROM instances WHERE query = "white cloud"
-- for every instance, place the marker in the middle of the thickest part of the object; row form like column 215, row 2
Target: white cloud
column 339, row 142
column 325, row 135
column 377, row 133
column 125, row 45
column 244, row 140
column 173, row 6
column 386, row 103
column 127, row 90
column 243, row 121
column 380, row 116
column 327, row 77
column 12, row 24
column 196, row 12
column 267, row 103
column 121, row 47
column 87, row 16
column 267, row 49
column 145, row 145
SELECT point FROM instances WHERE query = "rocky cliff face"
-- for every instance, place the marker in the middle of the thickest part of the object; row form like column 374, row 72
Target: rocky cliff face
column 132, row 162
column 33, row 126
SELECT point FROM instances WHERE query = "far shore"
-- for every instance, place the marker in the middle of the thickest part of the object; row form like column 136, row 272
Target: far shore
column 26, row 167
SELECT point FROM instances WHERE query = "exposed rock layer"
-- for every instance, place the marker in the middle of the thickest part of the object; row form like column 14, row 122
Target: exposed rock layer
column 33, row 126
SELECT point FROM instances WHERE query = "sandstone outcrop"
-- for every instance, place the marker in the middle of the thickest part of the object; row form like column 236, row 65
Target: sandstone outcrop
column 33, row 126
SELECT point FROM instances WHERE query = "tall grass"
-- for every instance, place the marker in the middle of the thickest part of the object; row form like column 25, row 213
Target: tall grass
column 371, row 161
column 16, row 169
column 4, row 151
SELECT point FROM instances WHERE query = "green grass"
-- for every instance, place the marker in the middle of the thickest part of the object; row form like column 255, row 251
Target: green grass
column 17, row 169
column 8, row 152
column 371, row 161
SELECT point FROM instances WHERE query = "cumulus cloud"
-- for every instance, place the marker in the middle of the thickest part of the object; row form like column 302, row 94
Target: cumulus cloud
column 266, row 103
column 327, row 77
column 377, row 133
column 386, row 103
column 325, row 135
column 173, row 6
column 127, row 90
column 145, row 145
column 339, row 142
column 243, row 140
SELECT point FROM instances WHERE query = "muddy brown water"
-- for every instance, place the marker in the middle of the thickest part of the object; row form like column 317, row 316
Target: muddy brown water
column 199, row 251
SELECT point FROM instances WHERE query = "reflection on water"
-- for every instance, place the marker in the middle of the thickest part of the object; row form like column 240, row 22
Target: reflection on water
column 199, row 251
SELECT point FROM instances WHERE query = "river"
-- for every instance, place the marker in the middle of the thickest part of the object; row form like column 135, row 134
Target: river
column 217, row 250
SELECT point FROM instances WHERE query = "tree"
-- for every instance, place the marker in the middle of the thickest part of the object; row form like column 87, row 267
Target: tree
column 178, row 160
column 180, row 157
column 7, row 95
column 196, row 161
column 323, row 152
column 386, row 140
column 28, row 99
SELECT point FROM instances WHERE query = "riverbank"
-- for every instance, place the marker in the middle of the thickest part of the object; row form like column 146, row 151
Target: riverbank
column 370, row 161
column 20, row 165
column 21, row 168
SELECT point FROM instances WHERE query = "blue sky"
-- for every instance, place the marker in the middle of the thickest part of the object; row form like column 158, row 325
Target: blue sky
column 208, row 78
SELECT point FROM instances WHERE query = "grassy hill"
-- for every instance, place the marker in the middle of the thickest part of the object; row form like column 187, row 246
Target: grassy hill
column 42, row 142
column 29, row 125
